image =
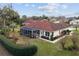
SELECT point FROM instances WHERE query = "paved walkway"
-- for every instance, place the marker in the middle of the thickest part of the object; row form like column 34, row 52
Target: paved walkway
column 3, row 51
column 56, row 40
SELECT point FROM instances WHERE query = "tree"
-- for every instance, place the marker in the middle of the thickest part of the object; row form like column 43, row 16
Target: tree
column 4, row 15
column 75, row 40
column 62, row 43
column 15, row 17
column 76, row 25
column 8, row 15
column 24, row 17
column 34, row 17
column 13, row 25
column 44, row 17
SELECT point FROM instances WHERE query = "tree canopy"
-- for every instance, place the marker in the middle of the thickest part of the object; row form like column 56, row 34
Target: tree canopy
column 8, row 15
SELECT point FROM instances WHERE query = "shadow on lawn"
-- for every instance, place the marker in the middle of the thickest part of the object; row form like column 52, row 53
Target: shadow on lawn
column 72, row 48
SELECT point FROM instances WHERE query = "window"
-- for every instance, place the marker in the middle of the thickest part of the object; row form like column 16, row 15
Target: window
column 38, row 32
column 47, row 33
column 29, row 32
column 52, row 33
column 26, row 32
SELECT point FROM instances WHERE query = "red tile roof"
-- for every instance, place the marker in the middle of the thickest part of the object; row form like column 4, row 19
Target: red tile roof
column 44, row 25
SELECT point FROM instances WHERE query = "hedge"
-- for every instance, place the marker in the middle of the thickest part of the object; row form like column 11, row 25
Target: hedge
column 17, row 50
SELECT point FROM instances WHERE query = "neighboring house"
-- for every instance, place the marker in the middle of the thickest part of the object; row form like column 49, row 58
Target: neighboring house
column 74, row 22
column 56, row 21
column 43, row 29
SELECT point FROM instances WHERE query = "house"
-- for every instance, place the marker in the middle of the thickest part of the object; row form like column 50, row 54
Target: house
column 74, row 22
column 43, row 29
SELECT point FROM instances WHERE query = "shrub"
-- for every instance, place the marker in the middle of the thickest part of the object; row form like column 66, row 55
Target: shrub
column 75, row 40
column 62, row 44
column 16, row 49
column 5, row 31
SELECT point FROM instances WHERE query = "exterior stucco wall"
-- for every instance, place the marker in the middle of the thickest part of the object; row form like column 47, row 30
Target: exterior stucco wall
column 57, row 33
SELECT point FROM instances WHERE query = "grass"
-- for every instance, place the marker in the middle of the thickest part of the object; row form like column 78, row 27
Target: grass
column 45, row 48
column 49, row 49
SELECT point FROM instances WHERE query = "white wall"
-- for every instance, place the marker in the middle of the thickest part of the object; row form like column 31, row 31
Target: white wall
column 57, row 33
column 42, row 33
column 74, row 22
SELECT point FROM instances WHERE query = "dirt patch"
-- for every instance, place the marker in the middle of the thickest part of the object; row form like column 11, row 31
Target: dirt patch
column 3, row 51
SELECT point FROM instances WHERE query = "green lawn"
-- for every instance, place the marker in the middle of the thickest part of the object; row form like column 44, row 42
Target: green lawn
column 50, row 49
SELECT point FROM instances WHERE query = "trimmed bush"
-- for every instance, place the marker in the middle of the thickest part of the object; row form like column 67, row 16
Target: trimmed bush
column 16, row 49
